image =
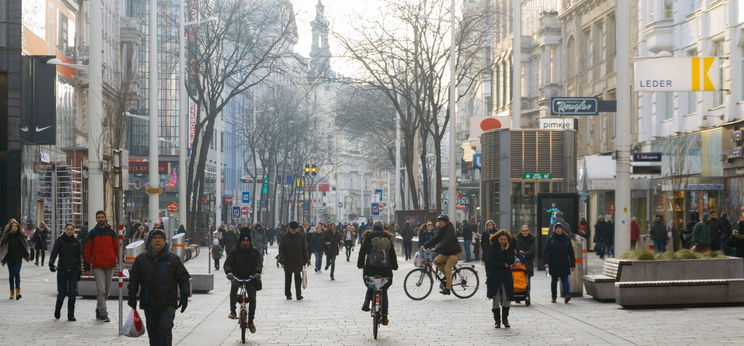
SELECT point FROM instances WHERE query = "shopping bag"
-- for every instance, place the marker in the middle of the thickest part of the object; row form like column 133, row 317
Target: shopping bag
column 133, row 326
column 304, row 278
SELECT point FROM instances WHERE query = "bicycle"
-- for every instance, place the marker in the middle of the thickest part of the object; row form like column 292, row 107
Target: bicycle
column 243, row 301
column 419, row 282
column 376, row 283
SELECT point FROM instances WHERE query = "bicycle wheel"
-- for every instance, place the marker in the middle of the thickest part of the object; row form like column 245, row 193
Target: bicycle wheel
column 243, row 324
column 465, row 282
column 418, row 284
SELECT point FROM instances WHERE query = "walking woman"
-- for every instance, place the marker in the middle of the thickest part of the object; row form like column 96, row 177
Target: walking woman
column 39, row 239
column 68, row 270
column 490, row 229
column 525, row 246
column 499, row 258
column 332, row 240
column 560, row 261
column 349, row 236
column 315, row 242
column 14, row 249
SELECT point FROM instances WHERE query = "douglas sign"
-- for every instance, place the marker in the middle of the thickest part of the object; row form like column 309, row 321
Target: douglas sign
column 574, row 106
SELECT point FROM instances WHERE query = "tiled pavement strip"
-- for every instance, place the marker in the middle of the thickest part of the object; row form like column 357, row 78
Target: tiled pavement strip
column 330, row 315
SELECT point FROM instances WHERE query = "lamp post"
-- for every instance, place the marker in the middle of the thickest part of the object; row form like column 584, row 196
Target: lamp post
column 153, row 199
column 452, row 122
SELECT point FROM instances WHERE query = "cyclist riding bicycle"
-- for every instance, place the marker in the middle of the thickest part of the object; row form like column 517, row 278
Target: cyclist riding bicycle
column 447, row 246
column 242, row 262
column 377, row 258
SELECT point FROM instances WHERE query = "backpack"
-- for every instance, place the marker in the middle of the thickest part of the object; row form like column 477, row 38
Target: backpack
column 379, row 252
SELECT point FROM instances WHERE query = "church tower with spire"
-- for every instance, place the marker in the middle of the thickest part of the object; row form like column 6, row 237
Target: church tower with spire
column 320, row 53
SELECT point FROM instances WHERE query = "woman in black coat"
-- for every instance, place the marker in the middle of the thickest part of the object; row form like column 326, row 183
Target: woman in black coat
column 39, row 239
column 332, row 241
column 68, row 270
column 490, row 229
column 560, row 261
column 499, row 282
column 524, row 244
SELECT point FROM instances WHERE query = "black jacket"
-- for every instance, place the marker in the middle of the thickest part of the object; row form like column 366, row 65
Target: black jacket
column 293, row 251
column 377, row 271
column 467, row 232
column 70, row 253
column 158, row 279
column 526, row 244
column 406, row 233
column 446, row 241
column 559, row 255
column 39, row 239
column 497, row 274
column 243, row 263
column 315, row 241
column 658, row 231
column 334, row 238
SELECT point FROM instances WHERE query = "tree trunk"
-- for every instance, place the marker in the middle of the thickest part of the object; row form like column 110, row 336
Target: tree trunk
column 425, row 181
column 438, row 172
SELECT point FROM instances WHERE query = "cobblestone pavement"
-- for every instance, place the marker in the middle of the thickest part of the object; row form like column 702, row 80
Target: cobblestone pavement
column 330, row 315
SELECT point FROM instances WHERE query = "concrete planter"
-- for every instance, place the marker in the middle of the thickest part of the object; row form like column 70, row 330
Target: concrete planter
column 695, row 269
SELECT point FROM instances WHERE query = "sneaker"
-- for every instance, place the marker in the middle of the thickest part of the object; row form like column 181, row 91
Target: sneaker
column 251, row 327
column 232, row 315
column 567, row 299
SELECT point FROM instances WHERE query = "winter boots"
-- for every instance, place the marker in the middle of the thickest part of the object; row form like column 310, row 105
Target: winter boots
column 505, row 317
column 18, row 293
column 365, row 306
column 58, row 307
column 12, row 294
column 497, row 317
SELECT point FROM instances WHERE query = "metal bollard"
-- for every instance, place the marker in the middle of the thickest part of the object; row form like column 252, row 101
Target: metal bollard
column 178, row 244
column 133, row 250
column 577, row 276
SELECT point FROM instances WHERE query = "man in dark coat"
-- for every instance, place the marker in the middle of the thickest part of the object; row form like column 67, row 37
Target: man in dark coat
column 715, row 228
column 447, row 246
column 243, row 262
column 39, row 239
column 294, row 255
column 70, row 253
column 372, row 243
column 499, row 282
column 658, row 233
column 560, row 260
column 407, row 234
column 163, row 285
column 467, row 238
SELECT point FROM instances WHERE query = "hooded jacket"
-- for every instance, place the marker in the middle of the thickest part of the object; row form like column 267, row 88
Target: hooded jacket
column 158, row 277
column 69, row 251
column 497, row 274
column 559, row 254
column 446, row 241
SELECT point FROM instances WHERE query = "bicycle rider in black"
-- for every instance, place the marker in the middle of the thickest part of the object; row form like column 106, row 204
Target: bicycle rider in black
column 242, row 262
column 371, row 270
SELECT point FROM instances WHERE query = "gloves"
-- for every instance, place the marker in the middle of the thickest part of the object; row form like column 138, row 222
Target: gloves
column 230, row 276
column 183, row 303
column 52, row 268
column 132, row 302
column 86, row 266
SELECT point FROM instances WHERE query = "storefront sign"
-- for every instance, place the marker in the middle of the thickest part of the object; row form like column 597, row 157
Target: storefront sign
column 144, row 167
column 558, row 124
column 574, row 106
column 677, row 74
column 703, row 187
column 647, row 157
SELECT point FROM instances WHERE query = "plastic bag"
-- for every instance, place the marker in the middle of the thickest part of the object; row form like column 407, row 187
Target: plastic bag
column 304, row 278
column 133, row 326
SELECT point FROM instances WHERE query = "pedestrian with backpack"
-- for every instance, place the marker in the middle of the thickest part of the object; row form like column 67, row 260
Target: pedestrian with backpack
column 377, row 258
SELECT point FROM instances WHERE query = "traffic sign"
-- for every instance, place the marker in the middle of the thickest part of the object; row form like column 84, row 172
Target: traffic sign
column 378, row 195
column 244, row 211
column 537, row 176
column 375, row 209
column 647, row 157
column 246, row 197
column 235, row 212
column 340, row 204
column 154, row 190
column 172, row 207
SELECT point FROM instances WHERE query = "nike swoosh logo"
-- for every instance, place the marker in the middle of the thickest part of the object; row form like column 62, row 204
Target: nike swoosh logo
column 24, row 128
column 41, row 129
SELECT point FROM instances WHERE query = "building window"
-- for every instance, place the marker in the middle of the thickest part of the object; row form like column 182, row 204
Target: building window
column 62, row 32
column 570, row 61
column 717, row 51
column 586, row 42
column 668, row 98
column 668, row 9
column 553, row 64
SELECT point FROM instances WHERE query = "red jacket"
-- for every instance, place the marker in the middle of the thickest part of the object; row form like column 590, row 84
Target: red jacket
column 634, row 231
column 101, row 247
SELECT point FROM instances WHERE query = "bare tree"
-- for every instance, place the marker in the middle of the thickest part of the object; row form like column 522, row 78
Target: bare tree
column 247, row 44
column 408, row 65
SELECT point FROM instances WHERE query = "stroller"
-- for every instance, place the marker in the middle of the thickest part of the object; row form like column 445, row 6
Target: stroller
column 521, row 280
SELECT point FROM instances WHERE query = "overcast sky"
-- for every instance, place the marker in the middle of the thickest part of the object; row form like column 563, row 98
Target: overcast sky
column 340, row 13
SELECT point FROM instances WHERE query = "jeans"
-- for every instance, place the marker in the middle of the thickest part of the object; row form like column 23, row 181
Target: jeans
column 159, row 323
column 383, row 299
column 318, row 259
column 565, row 286
column 103, row 286
column 251, row 298
column 659, row 245
column 40, row 253
column 331, row 262
column 288, row 282
column 217, row 263
column 67, row 281
column 446, row 264
column 14, row 268
column 261, row 252
column 348, row 244
column 466, row 247
column 408, row 248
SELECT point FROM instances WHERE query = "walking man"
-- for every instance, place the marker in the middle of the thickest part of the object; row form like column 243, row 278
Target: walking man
column 101, row 252
column 467, row 238
column 294, row 255
column 158, row 275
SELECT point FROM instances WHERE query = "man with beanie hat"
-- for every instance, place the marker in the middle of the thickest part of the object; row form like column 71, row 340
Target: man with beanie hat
column 243, row 262
column 158, row 275
column 293, row 252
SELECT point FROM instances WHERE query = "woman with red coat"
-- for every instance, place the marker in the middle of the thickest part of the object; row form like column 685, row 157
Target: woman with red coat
column 635, row 232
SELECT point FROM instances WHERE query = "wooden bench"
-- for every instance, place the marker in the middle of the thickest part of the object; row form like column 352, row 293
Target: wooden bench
column 679, row 293
column 602, row 286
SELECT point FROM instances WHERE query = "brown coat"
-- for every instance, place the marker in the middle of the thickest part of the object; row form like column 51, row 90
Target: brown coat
column 293, row 251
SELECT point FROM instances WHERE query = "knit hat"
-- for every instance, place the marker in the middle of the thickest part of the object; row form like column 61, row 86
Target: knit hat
column 157, row 233
column 558, row 225
column 706, row 215
column 294, row 225
column 244, row 236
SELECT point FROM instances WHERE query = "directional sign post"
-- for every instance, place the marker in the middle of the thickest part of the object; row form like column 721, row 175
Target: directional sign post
column 537, row 176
